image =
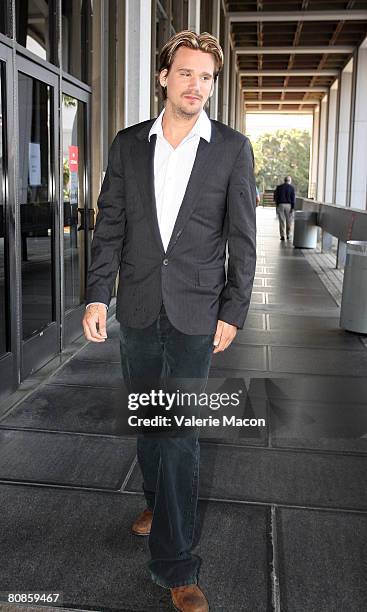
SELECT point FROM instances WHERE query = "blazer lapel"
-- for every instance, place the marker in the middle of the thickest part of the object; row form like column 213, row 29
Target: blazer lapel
column 143, row 162
column 206, row 155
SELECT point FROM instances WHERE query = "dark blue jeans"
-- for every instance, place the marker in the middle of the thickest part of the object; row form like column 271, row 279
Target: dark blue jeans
column 169, row 463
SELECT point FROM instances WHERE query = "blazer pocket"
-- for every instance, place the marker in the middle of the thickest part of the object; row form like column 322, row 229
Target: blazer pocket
column 210, row 277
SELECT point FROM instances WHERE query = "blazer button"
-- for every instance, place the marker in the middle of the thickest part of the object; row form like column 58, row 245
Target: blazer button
column 165, row 262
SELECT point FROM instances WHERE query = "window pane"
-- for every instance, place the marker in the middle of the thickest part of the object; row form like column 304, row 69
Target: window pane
column 73, row 189
column 3, row 245
column 35, row 27
column 4, row 17
column 76, row 28
column 36, row 206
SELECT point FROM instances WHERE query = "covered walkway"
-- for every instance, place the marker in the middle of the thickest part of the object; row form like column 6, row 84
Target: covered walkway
column 283, row 508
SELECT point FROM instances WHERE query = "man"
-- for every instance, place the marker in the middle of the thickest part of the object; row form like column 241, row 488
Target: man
column 284, row 198
column 178, row 189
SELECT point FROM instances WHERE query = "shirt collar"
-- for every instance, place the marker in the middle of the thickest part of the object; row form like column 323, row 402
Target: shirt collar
column 202, row 127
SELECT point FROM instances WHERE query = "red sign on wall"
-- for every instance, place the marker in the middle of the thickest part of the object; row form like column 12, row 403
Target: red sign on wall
column 73, row 158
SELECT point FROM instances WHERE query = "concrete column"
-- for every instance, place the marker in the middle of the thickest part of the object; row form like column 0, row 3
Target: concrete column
column 344, row 135
column 194, row 16
column 120, row 63
column 330, row 149
column 213, row 112
column 239, row 107
column 359, row 164
column 322, row 150
column 226, row 70
column 233, row 78
column 97, row 101
column 114, row 81
column 341, row 254
column 326, row 241
column 314, row 154
column 138, row 61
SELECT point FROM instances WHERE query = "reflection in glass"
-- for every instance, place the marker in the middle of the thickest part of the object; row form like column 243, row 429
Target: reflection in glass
column 36, row 205
column 35, row 27
column 73, row 190
column 3, row 245
column 4, row 18
column 76, row 29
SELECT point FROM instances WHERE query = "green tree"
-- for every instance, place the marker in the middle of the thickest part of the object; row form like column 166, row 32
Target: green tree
column 281, row 153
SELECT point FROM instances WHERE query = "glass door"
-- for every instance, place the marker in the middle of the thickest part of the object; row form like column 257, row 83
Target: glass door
column 38, row 180
column 78, row 217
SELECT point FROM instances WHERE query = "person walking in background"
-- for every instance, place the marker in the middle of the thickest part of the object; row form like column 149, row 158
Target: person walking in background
column 284, row 198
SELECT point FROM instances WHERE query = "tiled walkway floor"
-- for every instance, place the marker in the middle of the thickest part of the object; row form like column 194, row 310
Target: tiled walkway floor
column 282, row 520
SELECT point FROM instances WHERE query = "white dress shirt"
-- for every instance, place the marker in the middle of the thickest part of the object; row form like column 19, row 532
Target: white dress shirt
column 172, row 169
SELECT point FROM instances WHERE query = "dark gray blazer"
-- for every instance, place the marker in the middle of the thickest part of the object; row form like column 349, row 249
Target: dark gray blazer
column 219, row 206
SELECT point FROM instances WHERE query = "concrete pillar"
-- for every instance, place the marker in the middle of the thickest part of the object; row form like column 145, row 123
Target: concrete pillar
column 326, row 241
column 194, row 16
column 226, row 70
column 213, row 111
column 138, row 61
column 97, row 102
column 344, row 135
column 331, row 144
column 359, row 164
column 341, row 254
column 120, row 63
column 239, row 107
column 314, row 153
column 322, row 149
column 233, row 78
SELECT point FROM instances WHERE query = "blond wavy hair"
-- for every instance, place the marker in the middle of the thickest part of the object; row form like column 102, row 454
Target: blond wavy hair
column 204, row 42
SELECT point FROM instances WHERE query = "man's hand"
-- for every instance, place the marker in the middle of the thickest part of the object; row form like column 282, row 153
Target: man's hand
column 224, row 335
column 95, row 314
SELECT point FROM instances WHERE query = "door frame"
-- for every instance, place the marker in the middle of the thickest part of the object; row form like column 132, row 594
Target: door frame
column 44, row 345
column 9, row 361
column 72, row 320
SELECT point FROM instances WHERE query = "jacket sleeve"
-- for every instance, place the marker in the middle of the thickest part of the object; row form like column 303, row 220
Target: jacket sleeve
column 109, row 230
column 241, row 236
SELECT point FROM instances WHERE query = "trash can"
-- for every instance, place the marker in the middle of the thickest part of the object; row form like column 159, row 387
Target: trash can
column 305, row 229
column 353, row 313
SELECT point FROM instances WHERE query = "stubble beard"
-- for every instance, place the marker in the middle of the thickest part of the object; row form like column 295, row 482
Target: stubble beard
column 183, row 113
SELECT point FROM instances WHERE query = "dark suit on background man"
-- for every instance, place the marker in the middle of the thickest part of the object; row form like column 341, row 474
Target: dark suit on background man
column 174, row 298
column 284, row 198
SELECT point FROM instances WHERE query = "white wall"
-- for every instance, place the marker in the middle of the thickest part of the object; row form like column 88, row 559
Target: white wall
column 344, row 135
column 138, row 61
column 314, row 159
column 330, row 149
column 194, row 16
column 322, row 150
column 359, row 165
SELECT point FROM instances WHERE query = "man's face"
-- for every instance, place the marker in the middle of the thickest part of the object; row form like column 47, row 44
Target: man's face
column 190, row 80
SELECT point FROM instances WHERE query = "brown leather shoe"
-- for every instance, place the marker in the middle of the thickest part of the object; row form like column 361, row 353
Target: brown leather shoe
column 189, row 598
column 143, row 523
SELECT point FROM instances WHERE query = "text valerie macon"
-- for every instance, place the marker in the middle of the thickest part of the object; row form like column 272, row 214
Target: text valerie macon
column 192, row 421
